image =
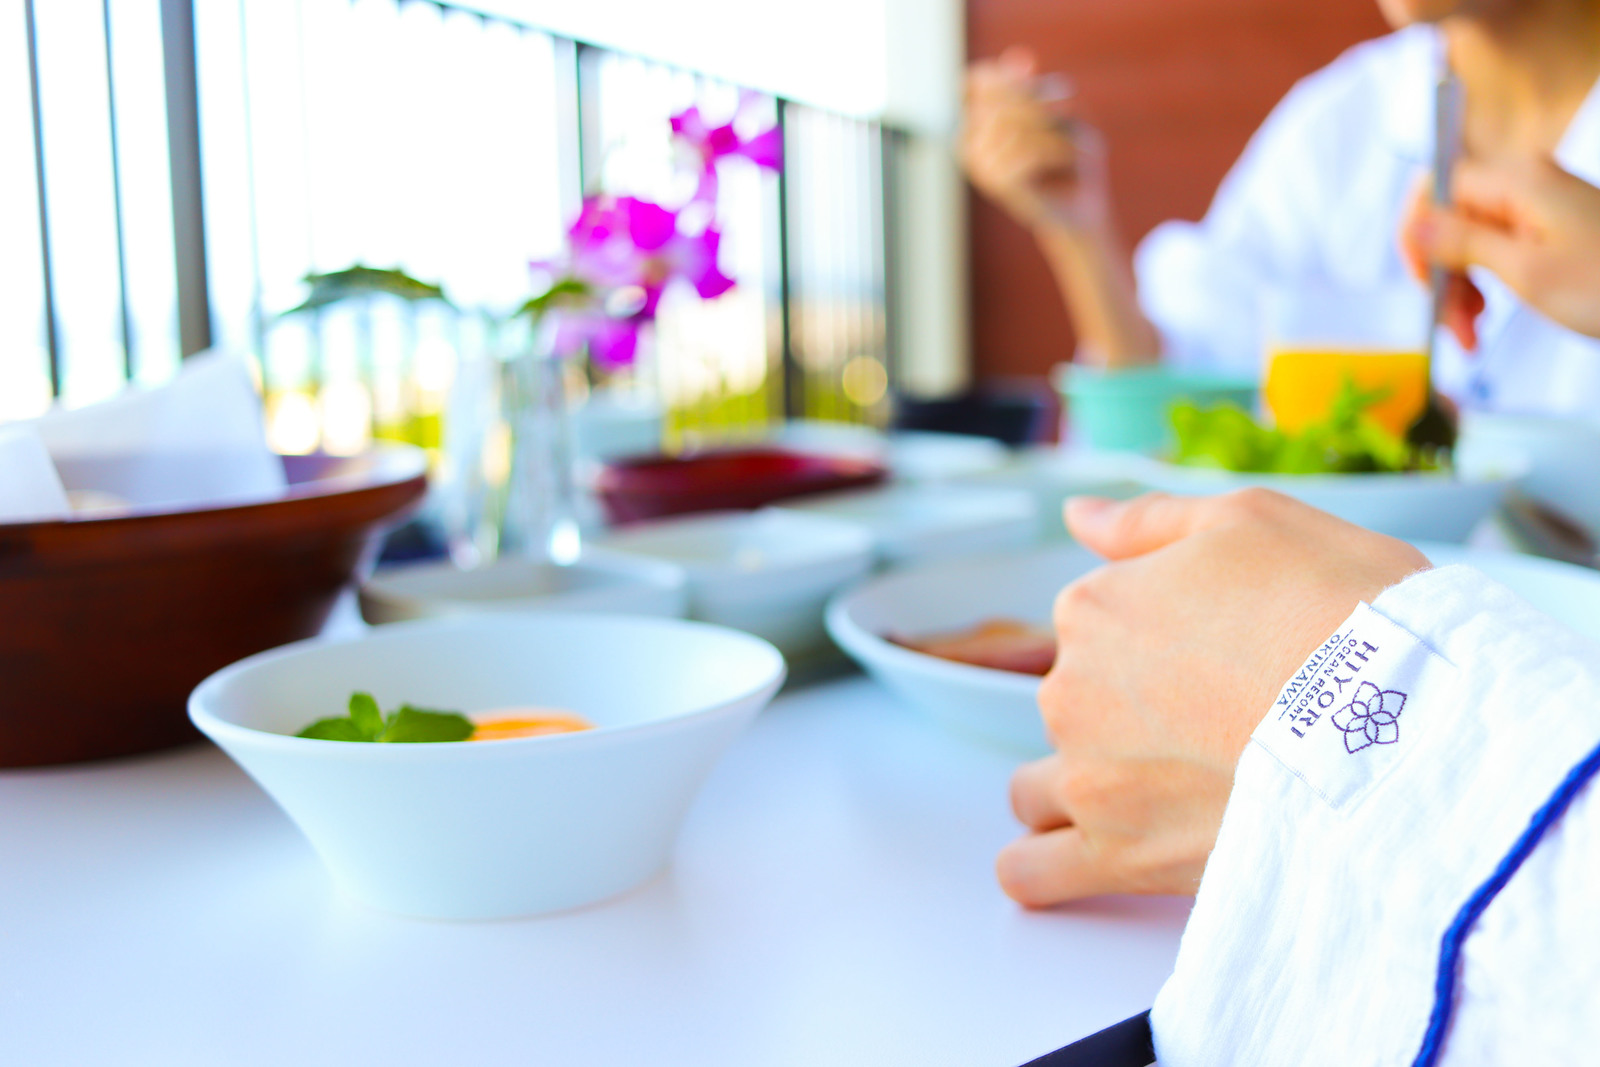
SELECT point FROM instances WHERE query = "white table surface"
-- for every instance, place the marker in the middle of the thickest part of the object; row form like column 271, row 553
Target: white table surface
column 832, row 902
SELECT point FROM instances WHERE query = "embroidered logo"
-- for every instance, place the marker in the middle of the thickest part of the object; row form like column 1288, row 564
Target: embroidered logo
column 1371, row 718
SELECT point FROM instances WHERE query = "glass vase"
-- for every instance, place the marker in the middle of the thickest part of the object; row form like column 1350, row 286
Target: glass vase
column 533, row 512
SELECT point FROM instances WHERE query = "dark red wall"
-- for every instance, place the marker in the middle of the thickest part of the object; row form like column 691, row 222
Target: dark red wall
column 1178, row 86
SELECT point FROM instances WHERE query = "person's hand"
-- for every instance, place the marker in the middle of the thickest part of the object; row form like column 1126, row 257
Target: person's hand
column 1531, row 223
column 1043, row 166
column 1168, row 658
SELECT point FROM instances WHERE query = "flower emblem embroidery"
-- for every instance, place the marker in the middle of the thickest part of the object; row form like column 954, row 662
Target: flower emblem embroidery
column 1371, row 718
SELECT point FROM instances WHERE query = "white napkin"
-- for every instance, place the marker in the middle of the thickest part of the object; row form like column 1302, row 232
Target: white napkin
column 195, row 440
column 30, row 490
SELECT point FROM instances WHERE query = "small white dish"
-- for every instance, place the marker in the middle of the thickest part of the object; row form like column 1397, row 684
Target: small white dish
column 769, row 573
column 918, row 523
column 1052, row 475
column 1427, row 506
column 1000, row 708
column 481, row 830
column 599, row 581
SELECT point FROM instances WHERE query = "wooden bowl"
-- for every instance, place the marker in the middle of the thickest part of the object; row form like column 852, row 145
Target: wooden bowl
column 106, row 624
column 733, row 480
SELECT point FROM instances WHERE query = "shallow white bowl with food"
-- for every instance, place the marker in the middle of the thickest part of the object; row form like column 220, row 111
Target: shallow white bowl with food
column 1429, row 505
column 769, row 573
column 599, row 582
column 913, row 524
column 999, row 708
column 495, row 829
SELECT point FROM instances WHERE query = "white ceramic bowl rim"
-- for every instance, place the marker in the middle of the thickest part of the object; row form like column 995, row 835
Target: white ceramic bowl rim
column 843, row 626
column 214, row 726
column 823, row 538
column 1167, row 473
column 397, row 586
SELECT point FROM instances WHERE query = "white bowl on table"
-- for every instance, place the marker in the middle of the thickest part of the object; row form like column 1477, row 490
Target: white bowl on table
column 1424, row 505
column 994, row 707
column 598, row 582
column 916, row 523
column 1562, row 455
column 910, row 455
column 931, row 456
column 1000, row 708
column 1052, row 474
column 769, row 572
column 495, row 829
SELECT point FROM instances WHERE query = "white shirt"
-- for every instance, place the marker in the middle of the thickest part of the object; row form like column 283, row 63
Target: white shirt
column 1317, row 197
column 1363, row 818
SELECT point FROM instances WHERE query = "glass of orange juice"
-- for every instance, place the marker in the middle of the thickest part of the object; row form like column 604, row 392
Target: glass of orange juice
column 1318, row 337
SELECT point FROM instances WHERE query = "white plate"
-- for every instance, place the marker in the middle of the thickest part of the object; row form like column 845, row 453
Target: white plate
column 599, row 581
column 1052, row 474
column 769, row 573
column 1429, row 506
column 910, row 455
column 999, row 708
column 918, row 523
column 1562, row 456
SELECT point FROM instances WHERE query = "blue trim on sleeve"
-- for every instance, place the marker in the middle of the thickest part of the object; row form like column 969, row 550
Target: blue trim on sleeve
column 1450, row 945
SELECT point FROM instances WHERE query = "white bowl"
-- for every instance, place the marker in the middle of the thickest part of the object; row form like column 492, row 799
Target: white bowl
column 1051, row 475
column 503, row 828
column 598, row 582
column 1000, row 708
column 1562, row 456
column 910, row 455
column 768, row 572
column 611, row 424
column 915, row 524
column 926, row 455
column 1430, row 506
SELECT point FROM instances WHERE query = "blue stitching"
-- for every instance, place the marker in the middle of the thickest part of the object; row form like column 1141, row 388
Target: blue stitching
column 1450, row 945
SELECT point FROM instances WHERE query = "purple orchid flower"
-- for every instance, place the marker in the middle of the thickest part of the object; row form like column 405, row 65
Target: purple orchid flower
column 610, row 342
column 623, row 253
column 711, row 145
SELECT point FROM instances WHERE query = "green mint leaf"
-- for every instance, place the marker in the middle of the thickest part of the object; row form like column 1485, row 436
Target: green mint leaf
column 341, row 729
column 412, row 725
column 365, row 714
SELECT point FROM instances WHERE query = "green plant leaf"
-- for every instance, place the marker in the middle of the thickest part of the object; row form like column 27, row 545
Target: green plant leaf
column 359, row 281
column 365, row 714
column 564, row 291
column 412, row 725
column 340, row 729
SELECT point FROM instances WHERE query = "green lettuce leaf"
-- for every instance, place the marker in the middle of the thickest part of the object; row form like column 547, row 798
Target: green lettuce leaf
column 1348, row 441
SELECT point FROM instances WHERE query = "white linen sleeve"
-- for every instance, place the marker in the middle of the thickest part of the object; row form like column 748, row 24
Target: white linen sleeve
column 1392, row 775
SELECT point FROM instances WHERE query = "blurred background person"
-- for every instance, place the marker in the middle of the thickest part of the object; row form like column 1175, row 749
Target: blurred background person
column 1316, row 197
